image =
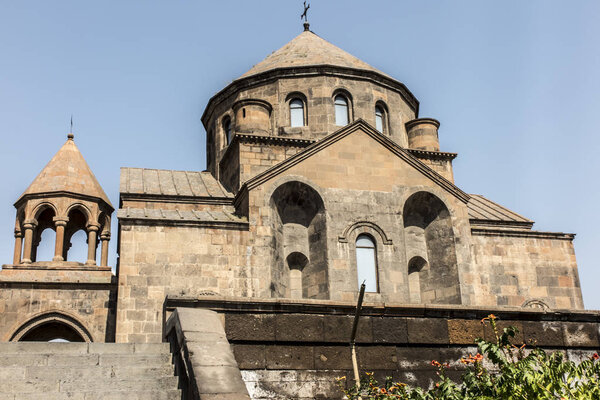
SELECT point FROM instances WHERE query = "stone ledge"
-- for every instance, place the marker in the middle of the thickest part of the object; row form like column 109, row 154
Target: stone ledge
column 333, row 307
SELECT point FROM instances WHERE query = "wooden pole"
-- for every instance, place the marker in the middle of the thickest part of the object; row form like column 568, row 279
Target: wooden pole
column 361, row 295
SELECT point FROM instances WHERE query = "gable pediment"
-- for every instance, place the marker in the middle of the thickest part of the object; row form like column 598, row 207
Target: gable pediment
column 358, row 157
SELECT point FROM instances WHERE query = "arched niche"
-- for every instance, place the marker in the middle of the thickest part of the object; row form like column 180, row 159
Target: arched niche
column 429, row 240
column 300, row 242
column 416, row 266
column 52, row 326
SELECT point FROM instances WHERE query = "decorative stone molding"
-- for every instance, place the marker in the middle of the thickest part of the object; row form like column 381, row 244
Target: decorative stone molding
column 343, row 238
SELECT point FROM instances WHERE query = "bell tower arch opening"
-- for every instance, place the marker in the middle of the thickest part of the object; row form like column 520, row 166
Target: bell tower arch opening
column 76, row 248
column 44, row 236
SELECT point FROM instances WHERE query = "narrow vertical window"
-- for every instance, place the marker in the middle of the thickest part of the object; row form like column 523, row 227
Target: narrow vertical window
column 227, row 129
column 341, row 110
column 366, row 262
column 296, row 113
column 379, row 118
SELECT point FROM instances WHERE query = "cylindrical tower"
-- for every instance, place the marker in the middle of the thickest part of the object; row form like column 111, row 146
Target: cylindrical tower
column 423, row 134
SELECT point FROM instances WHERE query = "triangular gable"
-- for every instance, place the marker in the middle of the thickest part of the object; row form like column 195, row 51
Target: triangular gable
column 327, row 141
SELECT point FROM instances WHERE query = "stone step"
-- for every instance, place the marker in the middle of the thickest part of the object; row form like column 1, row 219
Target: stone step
column 104, row 395
column 136, row 359
column 54, row 386
column 86, row 372
column 82, row 348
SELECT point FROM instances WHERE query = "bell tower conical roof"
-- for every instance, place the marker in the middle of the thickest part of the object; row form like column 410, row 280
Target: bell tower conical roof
column 309, row 49
column 68, row 172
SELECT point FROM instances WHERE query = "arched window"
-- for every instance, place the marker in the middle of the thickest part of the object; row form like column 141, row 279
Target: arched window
column 366, row 262
column 341, row 110
column 227, row 129
column 296, row 112
column 380, row 118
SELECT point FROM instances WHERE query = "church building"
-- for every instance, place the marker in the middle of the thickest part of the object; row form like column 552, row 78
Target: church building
column 321, row 175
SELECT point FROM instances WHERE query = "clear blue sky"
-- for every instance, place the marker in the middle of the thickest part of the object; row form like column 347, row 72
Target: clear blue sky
column 515, row 84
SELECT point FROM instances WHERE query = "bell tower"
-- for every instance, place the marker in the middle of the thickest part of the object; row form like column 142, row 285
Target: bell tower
column 47, row 292
column 67, row 198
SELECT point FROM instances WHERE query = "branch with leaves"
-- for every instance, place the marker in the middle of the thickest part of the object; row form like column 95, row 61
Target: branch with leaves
column 514, row 373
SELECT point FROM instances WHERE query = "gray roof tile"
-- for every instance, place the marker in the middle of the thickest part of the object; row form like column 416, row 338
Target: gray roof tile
column 171, row 183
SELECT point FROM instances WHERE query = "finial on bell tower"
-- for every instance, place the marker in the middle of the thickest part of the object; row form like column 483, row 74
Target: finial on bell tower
column 70, row 136
column 305, row 16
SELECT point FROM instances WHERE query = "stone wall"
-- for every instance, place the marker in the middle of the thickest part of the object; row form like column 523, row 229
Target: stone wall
column 84, row 300
column 288, row 349
column 158, row 260
column 364, row 188
column 318, row 93
column 513, row 268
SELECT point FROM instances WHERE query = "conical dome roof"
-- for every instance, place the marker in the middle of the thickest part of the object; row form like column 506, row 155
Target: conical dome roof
column 67, row 171
column 308, row 49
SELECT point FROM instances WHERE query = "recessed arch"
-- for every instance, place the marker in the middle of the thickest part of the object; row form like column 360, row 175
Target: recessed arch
column 416, row 265
column 428, row 232
column 40, row 208
column 299, row 242
column 84, row 210
column 52, row 325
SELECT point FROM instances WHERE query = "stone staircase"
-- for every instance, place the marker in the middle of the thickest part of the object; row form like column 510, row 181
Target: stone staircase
column 86, row 371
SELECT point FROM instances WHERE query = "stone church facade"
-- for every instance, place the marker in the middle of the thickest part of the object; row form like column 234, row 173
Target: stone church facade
column 320, row 174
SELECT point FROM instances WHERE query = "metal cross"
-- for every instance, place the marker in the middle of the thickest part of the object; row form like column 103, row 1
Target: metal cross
column 304, row 14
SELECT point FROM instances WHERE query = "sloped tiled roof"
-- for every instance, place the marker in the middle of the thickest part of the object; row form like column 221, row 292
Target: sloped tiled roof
column 308, row 49
column 171, row 183
column 481, row 208
column 193, row 216
column 67, row 171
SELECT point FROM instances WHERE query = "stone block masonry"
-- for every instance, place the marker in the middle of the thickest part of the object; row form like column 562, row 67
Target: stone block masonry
column 288, row 349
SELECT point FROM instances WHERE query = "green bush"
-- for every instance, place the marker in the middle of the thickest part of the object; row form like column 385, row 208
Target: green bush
column 514, row 373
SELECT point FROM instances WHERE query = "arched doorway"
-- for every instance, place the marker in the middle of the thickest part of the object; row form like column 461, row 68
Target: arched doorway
column 52, row 327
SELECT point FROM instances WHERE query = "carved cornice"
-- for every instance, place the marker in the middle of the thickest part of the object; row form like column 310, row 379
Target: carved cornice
column 522, row 233
column 495, row 224
column 62, row 193
column 274, row 140
column 432, row 155
column 235, row 225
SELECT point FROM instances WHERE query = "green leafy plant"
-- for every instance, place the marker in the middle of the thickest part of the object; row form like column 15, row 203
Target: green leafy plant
column 500, row 370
